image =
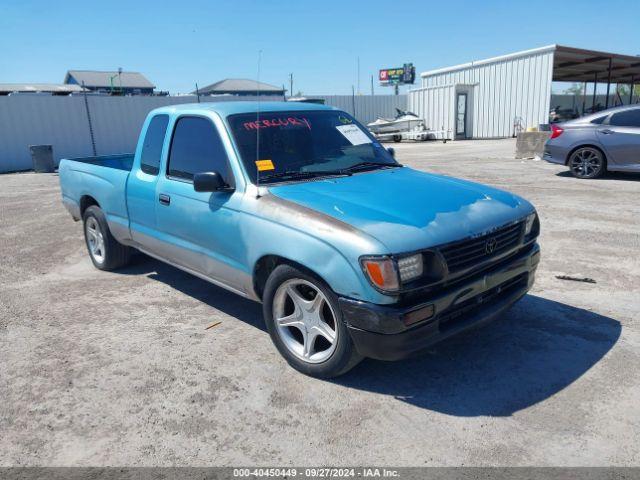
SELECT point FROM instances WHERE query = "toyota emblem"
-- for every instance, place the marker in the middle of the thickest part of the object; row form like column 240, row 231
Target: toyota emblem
column 490, row 246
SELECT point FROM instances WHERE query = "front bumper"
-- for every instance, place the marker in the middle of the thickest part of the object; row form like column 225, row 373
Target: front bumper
column 379, row 331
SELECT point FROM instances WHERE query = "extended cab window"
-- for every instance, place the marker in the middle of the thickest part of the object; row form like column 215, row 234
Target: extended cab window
column 152, row 146
column 627, row 118
column 196, row 147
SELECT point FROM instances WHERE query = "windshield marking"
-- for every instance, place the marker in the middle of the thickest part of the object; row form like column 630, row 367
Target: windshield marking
column 277, row 122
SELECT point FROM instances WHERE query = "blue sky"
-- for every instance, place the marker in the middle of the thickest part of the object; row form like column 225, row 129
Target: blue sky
column 179, row 43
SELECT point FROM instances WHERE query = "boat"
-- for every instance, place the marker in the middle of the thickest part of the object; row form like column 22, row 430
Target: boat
column 403, row 122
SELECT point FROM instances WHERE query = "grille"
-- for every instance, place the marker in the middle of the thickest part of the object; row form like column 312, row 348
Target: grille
column 448, row 317
column 467, row 253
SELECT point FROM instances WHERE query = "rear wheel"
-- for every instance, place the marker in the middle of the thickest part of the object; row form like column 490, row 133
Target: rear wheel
column 305, row 324
column 105, row 251
column 587, row 162
column 397, row 138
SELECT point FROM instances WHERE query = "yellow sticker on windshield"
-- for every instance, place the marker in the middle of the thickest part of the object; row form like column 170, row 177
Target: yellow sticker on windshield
column 264, row 165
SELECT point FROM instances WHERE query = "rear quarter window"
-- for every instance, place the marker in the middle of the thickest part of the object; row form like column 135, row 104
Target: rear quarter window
column 152, row 146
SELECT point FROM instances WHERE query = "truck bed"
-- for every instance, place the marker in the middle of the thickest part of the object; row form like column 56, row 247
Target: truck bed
column 123, row 161
column 101, row 180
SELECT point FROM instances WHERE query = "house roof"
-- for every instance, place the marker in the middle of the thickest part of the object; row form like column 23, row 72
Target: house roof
column 239, row 85
column 96, row 79
column 39, row 87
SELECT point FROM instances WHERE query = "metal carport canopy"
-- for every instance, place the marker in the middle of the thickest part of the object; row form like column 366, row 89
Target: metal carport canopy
column 577, row 65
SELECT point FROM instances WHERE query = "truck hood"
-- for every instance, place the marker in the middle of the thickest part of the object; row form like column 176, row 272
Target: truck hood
column 405, row 209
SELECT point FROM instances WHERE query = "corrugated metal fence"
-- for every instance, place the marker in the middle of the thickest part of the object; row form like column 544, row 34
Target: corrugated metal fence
column 576, row 101
column 116, row 121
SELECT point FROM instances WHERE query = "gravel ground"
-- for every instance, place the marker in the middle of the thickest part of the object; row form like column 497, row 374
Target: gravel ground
column 117, row 368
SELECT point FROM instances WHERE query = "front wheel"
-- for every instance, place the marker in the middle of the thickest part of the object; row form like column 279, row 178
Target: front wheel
column 587, row 162
column 305, row 324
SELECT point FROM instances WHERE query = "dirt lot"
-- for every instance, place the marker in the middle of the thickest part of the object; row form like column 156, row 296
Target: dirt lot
column 118, row 369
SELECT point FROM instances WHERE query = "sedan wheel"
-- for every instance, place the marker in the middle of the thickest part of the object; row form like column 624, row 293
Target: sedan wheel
column 305, row 321
column 586, row 162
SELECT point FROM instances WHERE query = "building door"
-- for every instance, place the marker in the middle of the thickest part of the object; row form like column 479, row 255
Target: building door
column 461, row 115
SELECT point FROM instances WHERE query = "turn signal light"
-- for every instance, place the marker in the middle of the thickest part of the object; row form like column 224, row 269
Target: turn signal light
column 418, row 315
column 381, row 272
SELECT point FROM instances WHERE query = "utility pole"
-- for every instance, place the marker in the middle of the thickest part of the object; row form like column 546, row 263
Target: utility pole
column 290, row 85
column 371, row 84
column 353, row 100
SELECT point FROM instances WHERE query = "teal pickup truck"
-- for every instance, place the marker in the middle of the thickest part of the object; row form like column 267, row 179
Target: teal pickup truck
column 299, row 207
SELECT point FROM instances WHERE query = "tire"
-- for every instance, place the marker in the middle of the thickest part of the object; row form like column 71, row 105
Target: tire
column 587, row 163
column 105, row 252
column 397, row 138
column 303, row 333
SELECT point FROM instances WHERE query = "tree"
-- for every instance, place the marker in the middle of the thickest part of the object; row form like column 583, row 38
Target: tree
column 624, row 90
column 576, row 89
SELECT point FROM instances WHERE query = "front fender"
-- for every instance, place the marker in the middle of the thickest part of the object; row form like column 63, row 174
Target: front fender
column 327, row 247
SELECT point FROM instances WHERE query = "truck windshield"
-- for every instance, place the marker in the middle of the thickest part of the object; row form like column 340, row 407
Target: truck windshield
column 305, row 144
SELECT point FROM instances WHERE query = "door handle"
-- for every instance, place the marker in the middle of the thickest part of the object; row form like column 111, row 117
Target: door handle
column 164, row 199
column 606, row 131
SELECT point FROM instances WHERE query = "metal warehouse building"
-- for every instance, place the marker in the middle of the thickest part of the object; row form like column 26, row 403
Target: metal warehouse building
column 495, row 97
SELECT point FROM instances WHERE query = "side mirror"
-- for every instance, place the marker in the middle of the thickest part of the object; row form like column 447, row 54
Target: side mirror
column 392, row 151
column 209, row 182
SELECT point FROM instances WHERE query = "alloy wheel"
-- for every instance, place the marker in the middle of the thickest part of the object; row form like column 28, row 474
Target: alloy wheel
column 586, row 163
column 305, row 320
column 95, row 240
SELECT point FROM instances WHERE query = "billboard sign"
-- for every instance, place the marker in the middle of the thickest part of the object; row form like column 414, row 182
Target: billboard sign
column 398, row 76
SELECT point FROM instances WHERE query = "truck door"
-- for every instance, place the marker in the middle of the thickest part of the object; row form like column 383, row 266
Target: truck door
column 199, row 230
column 141, row 186
column 620, row 137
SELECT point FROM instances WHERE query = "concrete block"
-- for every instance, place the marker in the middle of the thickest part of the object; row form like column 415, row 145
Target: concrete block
column 531, row 144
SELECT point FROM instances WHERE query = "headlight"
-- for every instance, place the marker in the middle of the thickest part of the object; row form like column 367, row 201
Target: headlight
column 387, row 274
column 528, row 226
column 410, row 268
column 381, row 272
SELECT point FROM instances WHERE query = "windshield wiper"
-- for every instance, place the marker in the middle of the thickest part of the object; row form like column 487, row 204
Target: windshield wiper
column 367, row 165
column 294, row 174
